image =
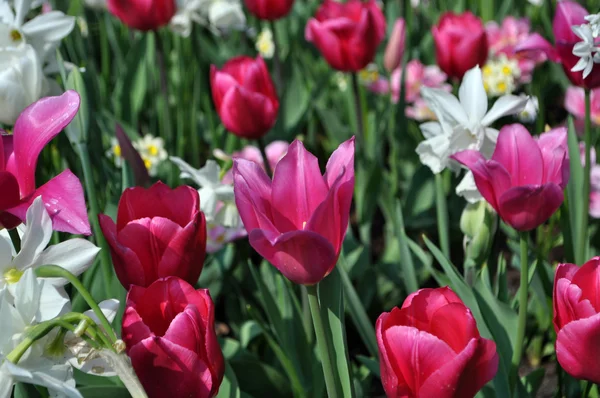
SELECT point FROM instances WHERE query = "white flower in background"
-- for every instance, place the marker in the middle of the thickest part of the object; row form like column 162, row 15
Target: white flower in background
column 216, row 199
column 152, row 150
column 536, row 2
column 341, row 81
column 216, row 14
column 264, row 43
column 115, row 152
column 586, row 50
column 500, row 76
column 96, row 4
column 74, row 255
column 463, row 123
column 529, row 114
column 369, row 75
column 594, row 22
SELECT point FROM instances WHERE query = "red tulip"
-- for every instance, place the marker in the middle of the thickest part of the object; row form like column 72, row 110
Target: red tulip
column 347, row 34
column 577, row 319
column 394, row 51
column 460, row 43
column 298, row 221
column 169, row 332
column 244, row 96
column 269, row 9
column 568, row 13
column 431, row 348
column 160, row 232
column 63, row 195
column 143, row 14
column 525, row 178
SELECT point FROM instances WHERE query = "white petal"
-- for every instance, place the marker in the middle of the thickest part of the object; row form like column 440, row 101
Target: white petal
column 431, row 129
column 27, row 296
column 504, row 106
column 12, row 325
column 22, row 7
column 85, row 358
column 108, row 307
column 226, row 15
column 6, row 382
column 208, row 202
column 44, row 377
column 472, row 95
column 6, row 13
column 434, row 153
column 49, row 27
column 468, row 189
column 54, row 302
column 37, row 236
column 446, row 106
column 74, row 255
column 489, row 142
column 228, row 216
column 6, row 254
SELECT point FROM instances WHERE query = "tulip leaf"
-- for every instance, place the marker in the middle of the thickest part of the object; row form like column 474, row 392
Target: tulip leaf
column 229, row 387
column 259, row 379
column 77, row 130
column 249, row 330
column 574, row 189
column 370, row 363
column 296, row 101
column 104, row 391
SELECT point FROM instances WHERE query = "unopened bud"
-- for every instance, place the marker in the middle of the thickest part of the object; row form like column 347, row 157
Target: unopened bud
column 479, row 223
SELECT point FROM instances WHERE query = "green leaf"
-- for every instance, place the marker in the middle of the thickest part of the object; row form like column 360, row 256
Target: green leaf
column 77, row 131
column 104, row 391
column 574, row 189
column 370, row 363
column 259, row 379
column 250, row 329
column 297, row 98
column 229, row 387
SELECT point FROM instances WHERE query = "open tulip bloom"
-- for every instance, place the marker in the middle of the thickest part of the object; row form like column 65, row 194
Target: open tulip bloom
column 298, row 221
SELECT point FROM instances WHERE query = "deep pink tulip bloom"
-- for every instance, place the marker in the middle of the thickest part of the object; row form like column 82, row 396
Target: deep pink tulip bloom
column 244, row 96
column 577, row 319
column 347, row 34
column 269, row 10
column 169, row 332
column 63, row 195
column 143, row 14
column 298, row 221
column 568, row 13
column 525, row 178
column 159, row 232
column 394, row 51
column 460, row 43
column 431, row 348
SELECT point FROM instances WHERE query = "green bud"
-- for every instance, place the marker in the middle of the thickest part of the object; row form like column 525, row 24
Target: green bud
column 479, row 223
column 77, row 130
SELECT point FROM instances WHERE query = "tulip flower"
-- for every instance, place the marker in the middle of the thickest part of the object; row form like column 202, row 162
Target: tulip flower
column 269, row 9
column 577, row 319
column 431, row 348
column 525, row 178
column 297, row 221
column 568, row 14
column 169, row 331
column 392, row 58
column 347, row 34
column 245, row 97
column 460, row 43
column 143, row 14
column 63, row 195
column 159, row 232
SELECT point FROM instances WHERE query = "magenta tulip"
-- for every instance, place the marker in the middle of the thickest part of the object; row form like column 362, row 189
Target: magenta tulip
column 169, row 332
column 525, row 178
column 63, row 195
column 568, row 14
column 269, row 10
column 143, row 14
column 431, row 348
column 297, row 221
column 577, row 319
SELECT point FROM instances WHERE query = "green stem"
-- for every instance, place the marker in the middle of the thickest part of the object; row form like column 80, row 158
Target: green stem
column 54, row 271
column 583, row 233
column 90, row 188
column 15, row 238
column 360, row 125
column 587, row 389
column 277, row 61
column 263, row 152
column 442, row 215
column 523, row 295
column 323, row 343
column 306, row 319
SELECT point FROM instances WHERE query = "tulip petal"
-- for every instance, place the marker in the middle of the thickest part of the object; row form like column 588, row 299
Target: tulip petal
column 64, row 201
column 567, row 14
column 304, row 257
column 520, row 155
column 575, row 101
column 187, row 329
column 553, row 146
column 330, row 46
column 464, row 326
column 481, row 368
column 166, row 369
column 587, row 278
column 562, row 279
column 341, row 159
column 298, row 188
column 534, row 43
column 577, row 348
column 35, row 127
column 389, row 378
column 527, row 207
column 133, row 328
column 246, row 113
column 10, row 191
column 422, row 304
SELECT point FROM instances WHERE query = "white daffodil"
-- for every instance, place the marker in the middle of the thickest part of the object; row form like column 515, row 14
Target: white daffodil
column 216, row 14
column 586, row 50
column 463, row 123
column 74, row 255
column 216, row 198
column 529, row 113
column 57, row 378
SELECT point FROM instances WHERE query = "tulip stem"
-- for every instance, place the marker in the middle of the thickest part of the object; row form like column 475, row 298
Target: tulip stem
column 360, row 127
column 263, row 151
column 277, row 61
column 54, row 271
column 523, row 296
column 90, row 188
column 583, row 232
column 442, row 215
column 323, row 343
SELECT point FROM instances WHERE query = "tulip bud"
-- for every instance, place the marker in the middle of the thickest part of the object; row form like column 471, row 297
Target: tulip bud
column 143, row 15
column 77, row 130
column 479, row 223
column 394, row 51
column 269, row 9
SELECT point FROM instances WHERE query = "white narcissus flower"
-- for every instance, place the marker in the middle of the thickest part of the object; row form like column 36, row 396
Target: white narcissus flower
column 74, row 255
column 57, row 378
column 463, row 123
column 216, row 14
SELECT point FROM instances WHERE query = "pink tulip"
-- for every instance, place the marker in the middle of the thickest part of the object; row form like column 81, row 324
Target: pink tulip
column 275, row 151
column 525, row 178
column 297, row 221
column 394, row 51
column 594, row 180
column 431, row 348
column 417, row 76
column 576, row 302
column 503, row 39
column 575, row 105
column 568, row 13
column 63, row 195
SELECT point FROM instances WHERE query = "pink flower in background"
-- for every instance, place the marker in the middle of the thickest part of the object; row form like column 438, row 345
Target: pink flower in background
column 594, row 180
column 63, row 196
column 275, row 151
column 417, row 76
column 218, row 236
column 419, row 110
column 575, row 105
column 502, row 39
column 394, row 51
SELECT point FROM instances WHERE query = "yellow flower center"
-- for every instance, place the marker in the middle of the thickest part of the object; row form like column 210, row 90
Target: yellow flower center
column 15, row 35
column 148, row 163
column 506, row 70
column 153, row 150
column 487, row 71
column 12, row 275
column 501, row 87
column 117, row 151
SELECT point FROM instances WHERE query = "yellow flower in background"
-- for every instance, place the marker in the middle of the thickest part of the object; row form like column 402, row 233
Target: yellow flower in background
column 264, row 43
column 152, row 150
column 500, row 76
column 114, row 152
column 369, row 75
